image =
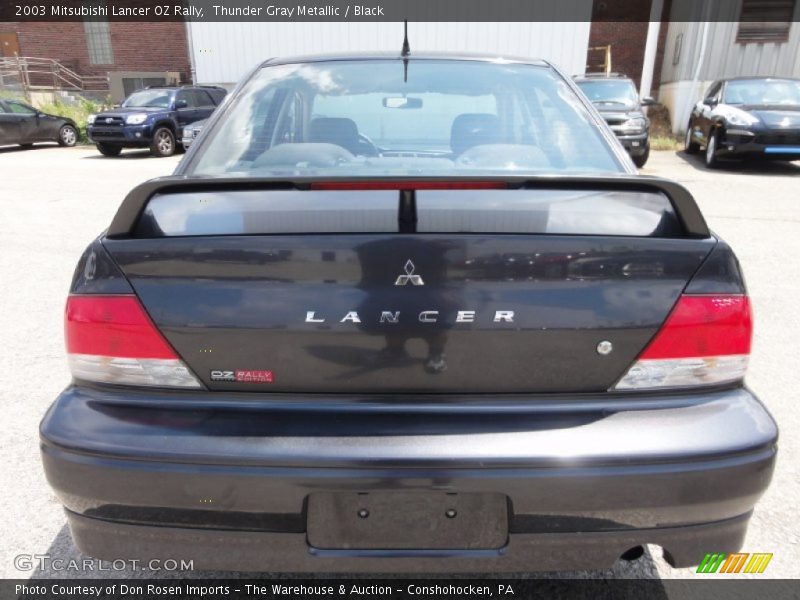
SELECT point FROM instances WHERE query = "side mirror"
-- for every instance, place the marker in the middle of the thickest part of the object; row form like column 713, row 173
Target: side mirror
column 648, row 101
column 712, row 102
column 181, row 104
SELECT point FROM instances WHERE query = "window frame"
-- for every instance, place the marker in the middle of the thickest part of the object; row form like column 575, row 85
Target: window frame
column 99, row 46
column 199, row 94
column 31, row 112
column 232, row 100
column 758, row 31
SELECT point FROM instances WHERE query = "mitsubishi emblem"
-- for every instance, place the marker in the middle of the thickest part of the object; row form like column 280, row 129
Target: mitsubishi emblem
column 409, row 276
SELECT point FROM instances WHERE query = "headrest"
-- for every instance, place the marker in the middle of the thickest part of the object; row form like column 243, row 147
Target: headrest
column 339, row 131
column 474, row 129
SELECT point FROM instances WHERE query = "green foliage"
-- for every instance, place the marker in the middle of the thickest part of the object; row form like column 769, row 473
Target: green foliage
column 77, row 112
column 11, row 95
column 666, row 142
column 661, row 137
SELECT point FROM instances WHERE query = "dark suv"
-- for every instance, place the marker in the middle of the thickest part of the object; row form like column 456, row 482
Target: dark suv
column 153, row 118
column 616, row 98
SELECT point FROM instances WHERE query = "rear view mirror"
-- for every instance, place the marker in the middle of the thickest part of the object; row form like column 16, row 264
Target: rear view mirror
column 402, row 102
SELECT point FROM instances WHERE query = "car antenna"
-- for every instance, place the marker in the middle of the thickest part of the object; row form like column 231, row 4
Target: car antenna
column 406, row 51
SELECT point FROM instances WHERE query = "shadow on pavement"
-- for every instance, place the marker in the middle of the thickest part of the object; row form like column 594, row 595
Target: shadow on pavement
column 126, row 154
column 18, row 148
column 744, row 167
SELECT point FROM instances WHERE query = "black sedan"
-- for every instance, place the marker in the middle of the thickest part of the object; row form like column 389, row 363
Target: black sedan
column 747, row 117
column 22, row 124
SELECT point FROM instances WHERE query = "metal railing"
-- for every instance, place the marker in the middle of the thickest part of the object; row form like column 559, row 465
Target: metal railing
column 46, row 74
column 605, row 65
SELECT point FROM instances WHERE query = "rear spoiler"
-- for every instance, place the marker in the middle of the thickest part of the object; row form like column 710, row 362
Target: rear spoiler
column 682, row 201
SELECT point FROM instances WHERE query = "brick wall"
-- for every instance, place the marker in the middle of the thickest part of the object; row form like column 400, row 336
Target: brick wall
column 627, row 36
column 136, row 46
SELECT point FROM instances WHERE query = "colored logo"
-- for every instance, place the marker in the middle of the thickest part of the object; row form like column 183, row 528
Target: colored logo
column 738, row 562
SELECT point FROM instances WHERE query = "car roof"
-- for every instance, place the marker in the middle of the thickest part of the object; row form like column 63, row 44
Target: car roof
column 367, row 56
column 762, row 77
column 601, row 77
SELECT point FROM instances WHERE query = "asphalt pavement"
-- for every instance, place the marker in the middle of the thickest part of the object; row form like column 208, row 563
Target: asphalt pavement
column 54, row 201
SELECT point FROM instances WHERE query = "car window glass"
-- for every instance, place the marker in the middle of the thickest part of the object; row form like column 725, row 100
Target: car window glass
column 21, row 109
column 157, row 98
column 782, row 92
column 288, row 128
column 397, row 129
column 2, row 108
column 610, row 91
column 202, row 99
column 375, row 118
column 217, row 95
column 188, row 97
column 713, row 91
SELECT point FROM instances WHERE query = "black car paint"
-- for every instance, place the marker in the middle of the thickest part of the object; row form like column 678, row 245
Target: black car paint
column 709, row 118
column 18, row 128
column 588, row 473
column 257, row 291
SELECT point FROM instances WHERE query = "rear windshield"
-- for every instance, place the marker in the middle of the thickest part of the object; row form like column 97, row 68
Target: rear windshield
column 385, row 118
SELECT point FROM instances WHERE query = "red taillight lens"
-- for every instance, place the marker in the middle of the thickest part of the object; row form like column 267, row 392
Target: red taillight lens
column 704, row 326
column 112, row 326
column 704, row 341
column 409, row 185
column 112, row 340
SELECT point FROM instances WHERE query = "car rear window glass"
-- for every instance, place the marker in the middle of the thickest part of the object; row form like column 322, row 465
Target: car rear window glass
column 368, row 118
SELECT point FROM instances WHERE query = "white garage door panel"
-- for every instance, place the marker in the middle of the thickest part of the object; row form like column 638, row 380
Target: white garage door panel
column 224, row 52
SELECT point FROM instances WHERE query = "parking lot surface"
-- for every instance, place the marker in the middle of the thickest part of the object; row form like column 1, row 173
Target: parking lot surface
column 54, row 201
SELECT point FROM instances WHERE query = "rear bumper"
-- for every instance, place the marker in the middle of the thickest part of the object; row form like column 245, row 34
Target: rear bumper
column 228, row 488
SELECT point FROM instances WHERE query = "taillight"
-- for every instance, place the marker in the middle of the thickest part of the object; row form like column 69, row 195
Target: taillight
column 110, row 339
column 704, row 341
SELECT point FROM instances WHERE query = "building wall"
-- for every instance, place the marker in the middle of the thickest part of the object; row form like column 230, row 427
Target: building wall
column 724, row 56
column 623, row 26
column 136, row 46
column 627, row 41
column 224, row 52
